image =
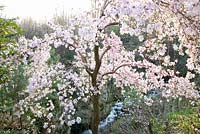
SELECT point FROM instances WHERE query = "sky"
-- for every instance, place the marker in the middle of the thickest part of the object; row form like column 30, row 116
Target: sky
column 42, row 10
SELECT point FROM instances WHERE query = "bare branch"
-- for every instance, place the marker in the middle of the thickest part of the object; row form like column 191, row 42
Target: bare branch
column 115, row 70
column 104, row 52
column 83, row 58
column 110, row 24
column 106, row 3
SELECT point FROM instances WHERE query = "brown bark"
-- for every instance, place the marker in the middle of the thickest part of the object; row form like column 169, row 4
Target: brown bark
column 96, row 114
column 93, row 74
column 95, row 98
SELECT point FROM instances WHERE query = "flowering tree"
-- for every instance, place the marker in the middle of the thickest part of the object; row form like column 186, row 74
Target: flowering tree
column 161, row 26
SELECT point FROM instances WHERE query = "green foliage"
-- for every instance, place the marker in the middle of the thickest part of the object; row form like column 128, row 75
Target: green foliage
column 183, row 121
column 4, row 74
column 66, row 55
column 10, row 94
column 158, row 127
column 54, row 57
column 130, row 93
column 129, row 42
column 23, row 131
column 128, row 125
column 115, row 29
column 9, row 30
column 186, row 120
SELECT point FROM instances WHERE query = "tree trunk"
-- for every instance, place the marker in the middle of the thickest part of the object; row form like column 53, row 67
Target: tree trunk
column 95, row 98
column 96, row 115
column 150, row 128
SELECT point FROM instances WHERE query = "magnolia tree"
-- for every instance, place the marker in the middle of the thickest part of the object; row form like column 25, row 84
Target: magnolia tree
column 100, row 56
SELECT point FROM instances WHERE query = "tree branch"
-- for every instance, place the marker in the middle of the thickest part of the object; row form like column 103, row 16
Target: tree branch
column 165, row 4
column 106, row 3
column 97, row 61
column 115, row 70
column 104, row 52
column 83, row 58
column 110, row 24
